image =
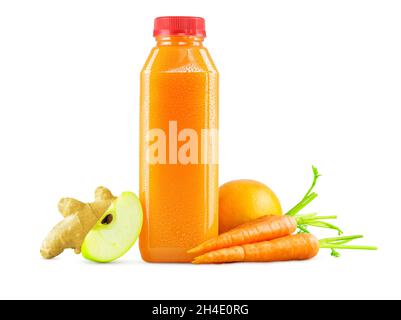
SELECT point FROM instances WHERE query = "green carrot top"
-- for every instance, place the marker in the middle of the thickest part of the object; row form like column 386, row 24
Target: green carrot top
column 309, row 196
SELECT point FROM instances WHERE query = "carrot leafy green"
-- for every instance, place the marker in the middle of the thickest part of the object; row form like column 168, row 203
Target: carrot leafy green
column 341, row 243
column 313, row 220
column 309, row 196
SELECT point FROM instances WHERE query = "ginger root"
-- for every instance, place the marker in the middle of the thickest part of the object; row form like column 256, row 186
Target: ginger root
column 79, row 219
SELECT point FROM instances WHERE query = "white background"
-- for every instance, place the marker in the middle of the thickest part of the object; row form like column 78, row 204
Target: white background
column 302, row 82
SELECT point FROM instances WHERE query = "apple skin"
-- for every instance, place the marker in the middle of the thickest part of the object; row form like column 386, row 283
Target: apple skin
column 109, row 241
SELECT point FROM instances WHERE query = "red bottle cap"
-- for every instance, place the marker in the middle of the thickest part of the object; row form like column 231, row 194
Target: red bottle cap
column 179, row 26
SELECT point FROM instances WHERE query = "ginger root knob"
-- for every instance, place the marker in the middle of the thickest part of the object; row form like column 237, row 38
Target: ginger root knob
column 79, row 219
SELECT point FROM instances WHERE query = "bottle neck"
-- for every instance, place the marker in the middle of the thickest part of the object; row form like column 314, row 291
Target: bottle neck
column 179, row 41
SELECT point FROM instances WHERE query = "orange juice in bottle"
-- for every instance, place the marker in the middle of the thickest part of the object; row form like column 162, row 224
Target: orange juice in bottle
column 178, row 142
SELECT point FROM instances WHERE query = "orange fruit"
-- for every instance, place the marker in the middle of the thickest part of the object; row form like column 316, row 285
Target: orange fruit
column 241, row 201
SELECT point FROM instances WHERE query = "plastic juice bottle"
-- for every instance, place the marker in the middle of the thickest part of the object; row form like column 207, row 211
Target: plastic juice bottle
column 178, row 142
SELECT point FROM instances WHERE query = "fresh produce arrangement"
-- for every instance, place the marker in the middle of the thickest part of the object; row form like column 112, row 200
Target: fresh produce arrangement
column 104, row 230
column 271, row 237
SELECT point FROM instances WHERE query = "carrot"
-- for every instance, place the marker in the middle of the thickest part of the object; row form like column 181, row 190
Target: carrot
column 263, row 229
column 293, row 247
column 298, row 247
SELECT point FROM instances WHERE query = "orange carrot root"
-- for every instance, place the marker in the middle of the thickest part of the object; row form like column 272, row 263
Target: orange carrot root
column 292, row 247
column 262, row 229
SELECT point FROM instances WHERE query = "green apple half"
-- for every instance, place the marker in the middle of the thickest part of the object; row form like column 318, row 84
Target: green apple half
column 116, row 231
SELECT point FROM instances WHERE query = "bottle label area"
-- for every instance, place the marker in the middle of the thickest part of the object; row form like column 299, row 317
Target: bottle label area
column 183, row 147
